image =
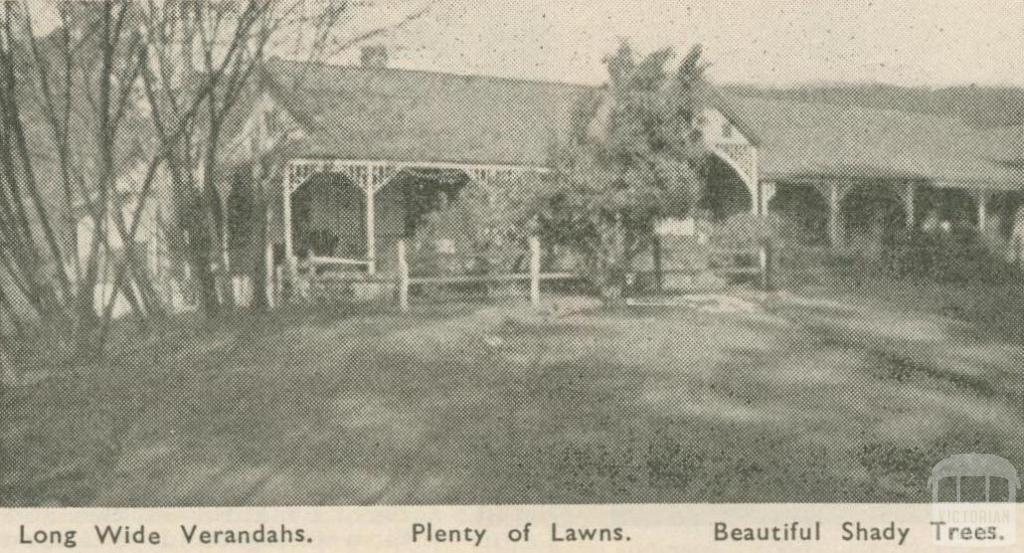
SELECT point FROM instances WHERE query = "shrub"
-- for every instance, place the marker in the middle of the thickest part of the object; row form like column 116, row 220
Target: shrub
column 322, row 241
column 483, row 231
column 958, row 256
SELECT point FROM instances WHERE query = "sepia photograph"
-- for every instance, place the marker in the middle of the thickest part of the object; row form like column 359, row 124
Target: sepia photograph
column 272, row 253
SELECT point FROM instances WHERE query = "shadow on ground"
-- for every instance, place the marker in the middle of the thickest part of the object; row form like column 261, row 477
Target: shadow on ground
column 801, row 400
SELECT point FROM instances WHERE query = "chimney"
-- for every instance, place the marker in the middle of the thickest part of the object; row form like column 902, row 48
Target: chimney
column 374, row 55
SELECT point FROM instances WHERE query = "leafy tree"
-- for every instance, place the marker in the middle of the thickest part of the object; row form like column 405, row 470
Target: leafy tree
column 634, row 155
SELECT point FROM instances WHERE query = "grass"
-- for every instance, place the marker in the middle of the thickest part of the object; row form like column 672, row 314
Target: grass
column 809, row 399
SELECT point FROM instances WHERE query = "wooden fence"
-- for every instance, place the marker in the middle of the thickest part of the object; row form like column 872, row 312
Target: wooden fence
column 534, row 276
column 755, row 262
column 724, row 263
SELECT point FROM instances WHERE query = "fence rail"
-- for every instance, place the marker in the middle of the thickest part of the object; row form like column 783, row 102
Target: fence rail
column 406, row 277
column 534, row 276
column 754, row 261
column 314, row 261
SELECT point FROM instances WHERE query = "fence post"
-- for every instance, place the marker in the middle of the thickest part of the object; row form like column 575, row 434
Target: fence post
column 658, row 274
column 268, row 271
column 279, row 284
column 403, row 277
column 534, row 271
column 764, row 258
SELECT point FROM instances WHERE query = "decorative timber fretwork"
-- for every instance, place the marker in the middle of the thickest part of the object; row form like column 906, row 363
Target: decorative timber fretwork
column 366, row 173
column 743, row 159
column 371, row 177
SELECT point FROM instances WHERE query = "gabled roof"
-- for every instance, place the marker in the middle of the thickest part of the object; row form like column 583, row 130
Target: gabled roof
column 394, row 114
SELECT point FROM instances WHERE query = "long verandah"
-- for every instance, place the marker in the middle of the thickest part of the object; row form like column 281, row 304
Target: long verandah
column 365, row 208
column 844, row 212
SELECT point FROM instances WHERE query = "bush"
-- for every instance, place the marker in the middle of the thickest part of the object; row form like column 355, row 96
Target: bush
column 483, row 231
column 316, row 241
column 958, row 256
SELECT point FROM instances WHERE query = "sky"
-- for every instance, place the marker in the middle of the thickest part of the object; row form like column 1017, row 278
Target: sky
column 931, row 43
column 768, row 42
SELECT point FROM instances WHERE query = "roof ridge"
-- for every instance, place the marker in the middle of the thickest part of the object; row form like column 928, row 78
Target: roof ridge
column 466, row 76
column 729, row 94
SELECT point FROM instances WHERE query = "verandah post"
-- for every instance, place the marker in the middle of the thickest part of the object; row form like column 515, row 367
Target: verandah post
column 403, row 277
column 767, row 190
column 534, row 271
column 834, row 229
column 982, row 199
column 371, row 239
column 908, row 204
column 286, row 209
column 659, row 277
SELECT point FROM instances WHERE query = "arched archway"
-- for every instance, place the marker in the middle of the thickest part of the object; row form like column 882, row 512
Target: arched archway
column 1003, row 208
column 404, row 205
column 803, row 211
column 727, row 192
column 327, row 213
column 935, row 205
column 873, row 216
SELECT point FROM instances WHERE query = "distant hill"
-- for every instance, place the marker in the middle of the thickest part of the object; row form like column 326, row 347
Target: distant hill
column 979, row 106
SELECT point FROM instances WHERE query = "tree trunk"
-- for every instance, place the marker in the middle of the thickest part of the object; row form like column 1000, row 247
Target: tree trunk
column 201, row 256
column 206, row 279
column 259, row 269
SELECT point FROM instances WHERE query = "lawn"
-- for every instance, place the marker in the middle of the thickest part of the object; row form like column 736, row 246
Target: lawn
column 803, row 398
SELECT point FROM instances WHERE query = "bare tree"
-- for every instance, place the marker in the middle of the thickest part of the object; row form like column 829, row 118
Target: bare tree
column 64, row 111
column 70, row 116
column 94, row 114
column 216, row 49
